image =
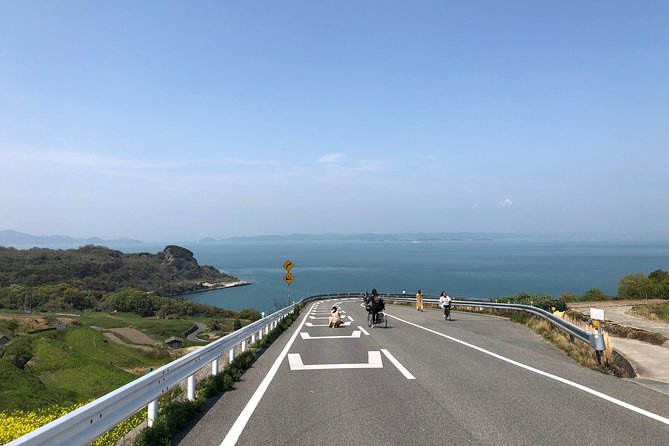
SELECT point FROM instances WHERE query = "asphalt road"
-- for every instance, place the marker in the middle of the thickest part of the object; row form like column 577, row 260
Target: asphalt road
column 475, row 380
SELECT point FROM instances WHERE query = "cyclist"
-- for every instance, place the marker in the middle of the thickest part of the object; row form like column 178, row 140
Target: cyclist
column 378, row 305
column 445, row 304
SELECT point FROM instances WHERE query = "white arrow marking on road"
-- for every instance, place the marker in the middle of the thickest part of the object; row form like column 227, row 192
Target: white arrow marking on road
column 373, row 362
column 356, row 334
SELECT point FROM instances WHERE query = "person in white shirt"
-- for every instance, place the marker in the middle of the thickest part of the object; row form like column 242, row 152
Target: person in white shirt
column 445, row 304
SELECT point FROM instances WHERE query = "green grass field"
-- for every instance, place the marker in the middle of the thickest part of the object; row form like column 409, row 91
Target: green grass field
column 158, row 329
column 80, row 363
column 70, row 366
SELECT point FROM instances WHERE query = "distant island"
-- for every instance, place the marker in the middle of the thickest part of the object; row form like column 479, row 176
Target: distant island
column 14, row 238
column 370, row 237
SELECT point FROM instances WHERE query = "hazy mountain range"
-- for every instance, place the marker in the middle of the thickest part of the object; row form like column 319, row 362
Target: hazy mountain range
column 14, row 238
column 369, row 237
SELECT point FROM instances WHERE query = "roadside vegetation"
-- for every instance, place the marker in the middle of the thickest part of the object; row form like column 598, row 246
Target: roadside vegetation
column 175, row 412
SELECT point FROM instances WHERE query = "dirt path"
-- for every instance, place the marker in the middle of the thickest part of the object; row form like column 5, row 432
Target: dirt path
column 649, row 361
column 134, row 336
column 116, row 340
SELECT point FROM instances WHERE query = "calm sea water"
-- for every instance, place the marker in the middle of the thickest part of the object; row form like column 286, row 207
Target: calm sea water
column 466, row 269
column 469, row 269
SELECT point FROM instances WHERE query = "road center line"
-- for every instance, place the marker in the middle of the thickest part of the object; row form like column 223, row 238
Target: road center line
column 594, row 392
column 243, row 418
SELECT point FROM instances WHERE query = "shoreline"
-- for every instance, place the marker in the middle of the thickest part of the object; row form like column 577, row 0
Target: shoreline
column 214, row 286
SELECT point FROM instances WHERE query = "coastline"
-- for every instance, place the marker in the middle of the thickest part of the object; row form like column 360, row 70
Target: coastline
column 214, row 286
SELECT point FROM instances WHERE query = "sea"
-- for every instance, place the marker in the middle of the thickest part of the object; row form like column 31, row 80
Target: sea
column 467, row 269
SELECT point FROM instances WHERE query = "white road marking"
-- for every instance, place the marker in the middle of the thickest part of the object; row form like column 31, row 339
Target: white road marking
column 243, row 418
column 397, row 364
column 594, row 392
column 361, row 329
column 350, row 318
column 356, row 334
column 309, row 324
column 373, row 362
column 321, row 318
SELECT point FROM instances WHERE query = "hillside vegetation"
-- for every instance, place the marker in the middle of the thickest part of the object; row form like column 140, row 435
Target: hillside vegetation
column 65, row 314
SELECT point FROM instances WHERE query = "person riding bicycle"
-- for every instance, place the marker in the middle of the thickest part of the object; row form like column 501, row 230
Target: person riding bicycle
column 445, row 304
column 378, row 304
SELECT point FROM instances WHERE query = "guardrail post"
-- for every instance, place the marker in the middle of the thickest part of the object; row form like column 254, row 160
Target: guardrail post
column 232, row 354
column 260, row 334
column 191, row 387
column 243, row 345
column 267, row 329
column 214, row 367
column 253, row 338
column 153, row 412
column 597, row 342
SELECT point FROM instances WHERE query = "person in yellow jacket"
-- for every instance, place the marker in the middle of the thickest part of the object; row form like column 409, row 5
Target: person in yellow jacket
column 419, row 300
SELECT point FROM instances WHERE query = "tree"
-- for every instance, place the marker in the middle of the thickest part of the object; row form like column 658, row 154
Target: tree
column 658, row 276
column 635, row 286
column 595, row 294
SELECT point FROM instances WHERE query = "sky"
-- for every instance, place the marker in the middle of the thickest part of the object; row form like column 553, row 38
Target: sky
column 158, row 119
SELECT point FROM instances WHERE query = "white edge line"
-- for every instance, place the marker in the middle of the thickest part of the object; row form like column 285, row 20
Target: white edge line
column 239, row 425
column 594, row 392
column 397, row 364
column 363, row 330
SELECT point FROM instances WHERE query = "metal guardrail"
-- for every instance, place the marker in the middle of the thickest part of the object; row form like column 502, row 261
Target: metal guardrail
column 595, row 340
column 91, row 421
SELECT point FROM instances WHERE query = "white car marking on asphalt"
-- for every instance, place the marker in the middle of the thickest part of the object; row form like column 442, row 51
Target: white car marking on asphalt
column 309, row 324
column 356, row 334
column 373, row 362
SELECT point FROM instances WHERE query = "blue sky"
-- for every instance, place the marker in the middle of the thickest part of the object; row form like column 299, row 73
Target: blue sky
column 159, row 120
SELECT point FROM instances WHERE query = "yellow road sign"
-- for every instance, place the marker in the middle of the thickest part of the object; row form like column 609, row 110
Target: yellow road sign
column 288, row 265
column 288, row 278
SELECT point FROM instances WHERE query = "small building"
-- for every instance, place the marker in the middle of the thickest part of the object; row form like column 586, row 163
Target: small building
column 61, row 326
column 4, row 340
column 174, row 342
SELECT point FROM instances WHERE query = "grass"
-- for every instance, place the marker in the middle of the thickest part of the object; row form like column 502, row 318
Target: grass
column 158, row 329
column 658, row 312
column 662, row 312
column 68, row 367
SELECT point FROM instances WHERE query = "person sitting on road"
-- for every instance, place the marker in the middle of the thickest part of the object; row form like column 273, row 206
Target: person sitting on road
column 335, row 318
column 445, row 304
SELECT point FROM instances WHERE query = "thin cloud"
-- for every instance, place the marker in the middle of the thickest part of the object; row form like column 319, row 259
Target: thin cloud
column 71, row 158
column 331, row 158
column 243, row 162
column 506, row 203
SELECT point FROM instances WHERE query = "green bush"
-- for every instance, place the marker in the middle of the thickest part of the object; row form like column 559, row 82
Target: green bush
column 543, row 301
